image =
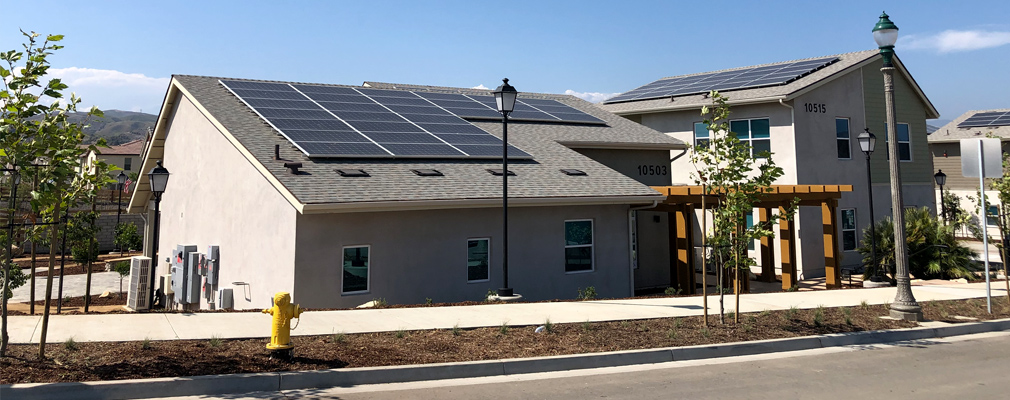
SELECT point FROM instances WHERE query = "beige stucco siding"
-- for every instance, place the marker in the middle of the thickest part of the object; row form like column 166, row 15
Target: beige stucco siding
column 909, row 109
column 423, row 254
column 228, row 204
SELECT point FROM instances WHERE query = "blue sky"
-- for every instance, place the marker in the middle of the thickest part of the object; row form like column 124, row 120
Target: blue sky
column 119, row 55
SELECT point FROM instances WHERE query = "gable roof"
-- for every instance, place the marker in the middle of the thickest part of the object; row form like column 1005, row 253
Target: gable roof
column 951, row 133
column 392, row 185
column 134, row 147
column 846, row 62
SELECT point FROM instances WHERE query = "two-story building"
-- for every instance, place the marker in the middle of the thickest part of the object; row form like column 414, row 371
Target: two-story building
column 807, row 113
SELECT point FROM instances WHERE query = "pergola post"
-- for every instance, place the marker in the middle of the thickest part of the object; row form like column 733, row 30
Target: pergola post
column 832, row 272
column 683, row 275
column 787, row 245
column 767, row 249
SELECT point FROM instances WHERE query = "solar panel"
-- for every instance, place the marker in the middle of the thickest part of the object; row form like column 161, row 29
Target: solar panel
column 327, row 121
column 724, row 80
column 485, row 107
column 991, row 118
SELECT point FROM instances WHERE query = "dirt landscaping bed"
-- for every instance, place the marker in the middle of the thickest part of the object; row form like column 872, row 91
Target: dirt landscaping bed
column 72, row 362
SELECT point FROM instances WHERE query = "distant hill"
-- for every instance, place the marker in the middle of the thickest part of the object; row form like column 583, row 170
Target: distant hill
column 118, row 126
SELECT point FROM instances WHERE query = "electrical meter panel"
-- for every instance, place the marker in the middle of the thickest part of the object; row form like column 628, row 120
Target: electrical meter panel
column 180, row 274
column 191, row 293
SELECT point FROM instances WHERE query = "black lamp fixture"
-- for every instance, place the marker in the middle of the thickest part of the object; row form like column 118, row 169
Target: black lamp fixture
column 121, row 178
column 505, row 96
column 158, row 179
column 867, row 141
column 941, row 179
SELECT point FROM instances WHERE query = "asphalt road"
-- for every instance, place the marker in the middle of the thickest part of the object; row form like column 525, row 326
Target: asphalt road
column 971, row 367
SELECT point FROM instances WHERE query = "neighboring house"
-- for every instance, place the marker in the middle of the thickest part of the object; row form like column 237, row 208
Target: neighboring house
column 808, row 114
column 406, row 218
column 945, row 147
column 126, row 156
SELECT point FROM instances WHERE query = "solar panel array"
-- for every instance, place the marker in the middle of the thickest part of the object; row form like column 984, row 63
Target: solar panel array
column 331, row 121
column 769, row 75
column 993, row 118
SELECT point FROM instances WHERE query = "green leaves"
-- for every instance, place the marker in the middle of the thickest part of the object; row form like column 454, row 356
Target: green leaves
column 54, row 38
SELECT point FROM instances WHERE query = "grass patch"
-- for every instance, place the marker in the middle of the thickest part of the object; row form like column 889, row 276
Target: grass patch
column 503, row 329
column 71, row 345
column 456, row 331
column 338, row 337
column 548, row 326
column 214, row 342
column 400, row 333
column 146, row 344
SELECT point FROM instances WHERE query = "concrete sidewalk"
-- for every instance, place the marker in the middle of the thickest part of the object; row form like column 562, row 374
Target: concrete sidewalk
column 168, row 326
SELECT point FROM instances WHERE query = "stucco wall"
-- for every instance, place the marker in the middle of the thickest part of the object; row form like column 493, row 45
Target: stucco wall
column 227, row 203
column 416, row 255
column 635, row 163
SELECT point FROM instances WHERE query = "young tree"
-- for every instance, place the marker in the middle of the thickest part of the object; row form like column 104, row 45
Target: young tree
column 729, row 170
column 127, row 237
column 36, row 134
column 123, row 269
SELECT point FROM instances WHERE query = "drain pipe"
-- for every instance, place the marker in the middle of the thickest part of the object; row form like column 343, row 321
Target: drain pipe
column 631, row 251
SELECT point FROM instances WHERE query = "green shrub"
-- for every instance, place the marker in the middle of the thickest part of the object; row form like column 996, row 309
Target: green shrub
column 146, row 343
column 17, row 278
column 127, row 237
column 456, row 331
column 215, row 341
column 504, row 328
column 671, row 291
column 82, row 232
column 549, row 326
column 933, row 251
column 400, row 333
column 71, row 345
column 588, row 294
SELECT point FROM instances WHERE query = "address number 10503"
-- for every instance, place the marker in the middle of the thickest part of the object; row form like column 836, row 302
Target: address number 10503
column 652, row 170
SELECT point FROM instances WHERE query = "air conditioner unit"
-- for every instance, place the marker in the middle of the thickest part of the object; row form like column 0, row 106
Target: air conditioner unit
column 140, row 283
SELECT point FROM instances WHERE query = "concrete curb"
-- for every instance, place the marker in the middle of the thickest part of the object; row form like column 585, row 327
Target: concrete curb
column 276, row 381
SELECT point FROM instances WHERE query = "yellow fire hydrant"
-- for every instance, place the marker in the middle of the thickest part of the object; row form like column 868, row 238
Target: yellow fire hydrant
column 282, row 311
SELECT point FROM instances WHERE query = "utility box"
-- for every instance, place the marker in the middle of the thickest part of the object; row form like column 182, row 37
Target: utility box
column 225, row 299
column 193, row 287
column 180, row 273
column 212, row 264
column 140, row 283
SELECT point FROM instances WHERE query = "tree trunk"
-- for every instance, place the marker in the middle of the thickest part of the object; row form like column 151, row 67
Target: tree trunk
column 736, row 280
column 704, row 258
column 91, row 245
column 31, row 307
column 49, row 279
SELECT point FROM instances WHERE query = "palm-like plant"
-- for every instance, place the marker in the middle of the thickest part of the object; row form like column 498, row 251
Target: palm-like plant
column 933, row 251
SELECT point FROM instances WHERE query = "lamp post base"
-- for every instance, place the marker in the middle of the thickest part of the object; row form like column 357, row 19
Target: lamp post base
column 911, row 314
column 505, row 292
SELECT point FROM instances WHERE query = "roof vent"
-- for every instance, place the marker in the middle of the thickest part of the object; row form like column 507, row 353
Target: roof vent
column 293, row 166
column 498, row 172
column 352, row 172
column 427, row 172
column 277, row 152
column 573, row 172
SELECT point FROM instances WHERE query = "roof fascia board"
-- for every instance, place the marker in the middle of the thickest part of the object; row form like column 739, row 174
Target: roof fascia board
column 474, row 203
column 140, row 198
column 756, row 100
column 231, row 139
column 622, row 145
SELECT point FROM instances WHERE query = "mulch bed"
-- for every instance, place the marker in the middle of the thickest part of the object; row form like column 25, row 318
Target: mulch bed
column 73, row 362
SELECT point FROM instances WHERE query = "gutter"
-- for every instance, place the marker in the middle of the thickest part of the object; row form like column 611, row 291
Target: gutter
column 631, row 250
column 324, row 208
column 697, row 106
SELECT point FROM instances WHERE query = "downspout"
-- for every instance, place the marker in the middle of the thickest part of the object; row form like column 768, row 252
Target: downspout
column 678, row 156
column 631, row 253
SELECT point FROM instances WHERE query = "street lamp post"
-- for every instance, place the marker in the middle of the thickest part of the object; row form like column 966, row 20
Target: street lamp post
column 121, row 178
column 885, row 33
column 158, row 179
column 505, row 97
column 941, row 178
column 867, row 141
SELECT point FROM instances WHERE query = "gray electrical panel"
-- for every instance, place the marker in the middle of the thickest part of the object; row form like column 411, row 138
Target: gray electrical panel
column 212, row 264
column 225, row 300
column 180, row 272
column 193, row 285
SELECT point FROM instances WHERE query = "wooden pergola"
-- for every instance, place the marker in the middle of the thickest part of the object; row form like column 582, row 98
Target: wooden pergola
column 682, row 201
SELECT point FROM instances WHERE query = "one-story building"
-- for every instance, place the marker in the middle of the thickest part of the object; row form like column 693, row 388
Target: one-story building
column 263, row 171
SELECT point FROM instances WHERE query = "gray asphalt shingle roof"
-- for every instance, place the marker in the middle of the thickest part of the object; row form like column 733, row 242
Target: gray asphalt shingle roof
column 845, row 61
column 392, row 180
column 951, row 133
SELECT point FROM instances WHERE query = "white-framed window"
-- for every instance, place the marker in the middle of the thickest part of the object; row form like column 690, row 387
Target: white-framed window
column 756, row 133
column 992, row 215
column 355, row 269
column 849, row 229
column 128, row 164
column 843, row 139
column 478, row 260
column 701, row 135
column 904, row 143
column 579, row 245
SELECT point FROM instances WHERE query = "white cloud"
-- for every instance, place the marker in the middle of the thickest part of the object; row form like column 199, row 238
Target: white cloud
column 481, row 86
column 592, row 97
column 113, row 90
column 954, row 41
